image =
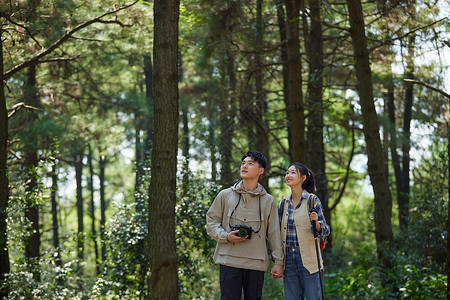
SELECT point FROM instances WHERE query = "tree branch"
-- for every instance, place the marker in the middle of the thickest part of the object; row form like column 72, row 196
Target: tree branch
column 428, row 86
column 2, row 15
column 323, row 22
column 63, row 39
column 19, row 106
column 386, row 41
column 59, row 59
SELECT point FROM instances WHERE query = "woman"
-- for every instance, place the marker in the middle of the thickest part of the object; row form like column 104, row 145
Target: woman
column 301, row 270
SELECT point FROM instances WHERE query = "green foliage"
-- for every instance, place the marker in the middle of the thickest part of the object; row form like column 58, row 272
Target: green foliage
column 125, row 272
column 54, row 283
column 418, row 260
column 403, row 281
column 195, row 248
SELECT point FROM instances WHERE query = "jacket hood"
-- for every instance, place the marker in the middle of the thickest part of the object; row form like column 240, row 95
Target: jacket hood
column 239, row 188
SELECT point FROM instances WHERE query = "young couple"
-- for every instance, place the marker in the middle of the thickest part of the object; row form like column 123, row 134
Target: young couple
column 244, row 221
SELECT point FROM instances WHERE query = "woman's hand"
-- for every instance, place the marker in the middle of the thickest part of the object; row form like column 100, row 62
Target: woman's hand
column 313, row 216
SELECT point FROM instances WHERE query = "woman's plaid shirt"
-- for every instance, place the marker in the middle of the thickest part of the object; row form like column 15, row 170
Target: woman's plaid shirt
column 291, row 232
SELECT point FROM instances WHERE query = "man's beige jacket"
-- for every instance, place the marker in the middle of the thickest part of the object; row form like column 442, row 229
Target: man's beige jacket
column 257, row 209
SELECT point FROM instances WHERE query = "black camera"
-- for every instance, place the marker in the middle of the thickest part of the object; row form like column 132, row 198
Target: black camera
column 243, row 231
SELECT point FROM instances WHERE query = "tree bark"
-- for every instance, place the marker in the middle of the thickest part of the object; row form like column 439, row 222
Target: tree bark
column 448, row 211
column 284, row 58
column 55, row 226
column 148, row 72
column 80, row 212
column 262, row 128
column 33, row 243
column 247, row 112
column 4, row 190
column 212, row 146
column 371, row 127
column 139, row 155
column 92, row 208
column 316, row 147
column 393, row 144
column 385, row 138
column 186, row 144
column 295, row 109
column 101, row 177
column 162, row 193
column 403, row 199
column 185, row 120
column 227, row 114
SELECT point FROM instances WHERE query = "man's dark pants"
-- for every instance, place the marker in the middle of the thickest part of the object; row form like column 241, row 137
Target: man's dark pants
column 233, row 280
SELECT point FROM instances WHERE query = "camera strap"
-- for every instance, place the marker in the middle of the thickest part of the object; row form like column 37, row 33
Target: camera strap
column 239, row 201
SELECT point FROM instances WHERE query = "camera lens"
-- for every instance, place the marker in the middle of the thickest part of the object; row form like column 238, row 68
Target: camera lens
column 242, row 232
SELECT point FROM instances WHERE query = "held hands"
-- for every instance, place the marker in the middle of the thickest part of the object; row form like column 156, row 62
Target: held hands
column 233, row 238
column 277, row 271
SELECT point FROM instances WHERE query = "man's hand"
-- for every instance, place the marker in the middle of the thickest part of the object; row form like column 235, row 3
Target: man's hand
column 277, row 271
column 233, row 238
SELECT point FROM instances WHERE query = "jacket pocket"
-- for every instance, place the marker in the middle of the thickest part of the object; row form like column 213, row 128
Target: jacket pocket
column 255, row 248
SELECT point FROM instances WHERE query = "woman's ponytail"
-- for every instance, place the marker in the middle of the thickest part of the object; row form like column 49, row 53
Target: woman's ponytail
column 310, row 183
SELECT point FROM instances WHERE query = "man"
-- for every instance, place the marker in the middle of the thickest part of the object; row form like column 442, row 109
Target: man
column 243, row 219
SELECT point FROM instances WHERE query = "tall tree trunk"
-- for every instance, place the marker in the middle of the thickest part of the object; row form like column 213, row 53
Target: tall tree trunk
column 393, row 144
column 162, row 193
column 92, row 208
column 185, row 121
column 227, row 103
column 316, row 108
column 186, row 144
column 448, row 211
column 141, row 162
column 385, row 136
column 247, row 112
column 4, row 190
column 262, row 128
column 80, row 212
column 101, row 177
column 284, row 58
column 32, row 247
column 148, row 72
column 403, row 199
column 296, row 118
column 212, row 146
column 371, row 127
column 227, row 113
column 448, row 206
column 55, row 226
column 33, row 243
column 139, row 156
